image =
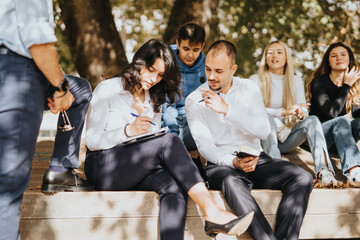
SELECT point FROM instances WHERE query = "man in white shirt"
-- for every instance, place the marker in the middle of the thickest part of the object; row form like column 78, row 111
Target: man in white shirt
column 225, row 113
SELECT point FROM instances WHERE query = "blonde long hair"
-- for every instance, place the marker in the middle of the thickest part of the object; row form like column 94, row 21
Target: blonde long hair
column 353, row 96
column 288, row 99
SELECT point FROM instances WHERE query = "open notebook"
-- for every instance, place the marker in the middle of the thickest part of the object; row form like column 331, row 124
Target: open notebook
column 146, row 136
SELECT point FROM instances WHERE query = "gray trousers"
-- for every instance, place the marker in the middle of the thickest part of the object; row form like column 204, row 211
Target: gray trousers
column 270, row 173
column 23, row 92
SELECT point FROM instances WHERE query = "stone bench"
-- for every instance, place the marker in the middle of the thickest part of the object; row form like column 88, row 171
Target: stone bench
column 332, row 213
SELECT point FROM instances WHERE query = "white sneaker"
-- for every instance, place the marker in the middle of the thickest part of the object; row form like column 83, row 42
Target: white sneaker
column 327, row 178
column 353, row 177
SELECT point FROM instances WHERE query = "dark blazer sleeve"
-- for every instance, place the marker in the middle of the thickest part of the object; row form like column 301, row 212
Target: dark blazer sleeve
column 330, row 108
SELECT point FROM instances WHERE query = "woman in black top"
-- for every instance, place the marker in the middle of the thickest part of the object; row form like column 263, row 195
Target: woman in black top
column 335, row 100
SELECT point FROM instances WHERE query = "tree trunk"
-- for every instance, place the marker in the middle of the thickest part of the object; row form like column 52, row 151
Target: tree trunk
column 202, row 12
column 93, row 39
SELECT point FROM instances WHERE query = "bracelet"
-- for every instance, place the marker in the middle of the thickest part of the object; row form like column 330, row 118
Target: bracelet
column 126, row 135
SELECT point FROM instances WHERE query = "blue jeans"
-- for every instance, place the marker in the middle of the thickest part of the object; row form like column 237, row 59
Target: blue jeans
column 344, row 133
column 184, row 133
column 67, row 144
column 23, row 91
column 309, row 129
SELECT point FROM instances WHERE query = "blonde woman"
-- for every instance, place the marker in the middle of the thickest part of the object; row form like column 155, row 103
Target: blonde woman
column 334, row 96
column 284, row 98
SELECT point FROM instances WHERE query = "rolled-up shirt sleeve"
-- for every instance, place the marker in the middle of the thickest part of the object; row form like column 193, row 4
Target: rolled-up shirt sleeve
column 35, row 22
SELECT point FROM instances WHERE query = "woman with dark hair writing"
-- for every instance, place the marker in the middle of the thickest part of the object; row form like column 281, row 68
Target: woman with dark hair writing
column 161, row 164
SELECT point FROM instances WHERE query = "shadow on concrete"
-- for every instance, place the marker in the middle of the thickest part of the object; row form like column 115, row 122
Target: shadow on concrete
column 351, row 220
column 33, row 226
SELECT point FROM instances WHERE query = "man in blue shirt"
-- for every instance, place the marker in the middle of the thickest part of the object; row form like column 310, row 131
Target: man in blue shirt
column 188, row 51
column 29, row 75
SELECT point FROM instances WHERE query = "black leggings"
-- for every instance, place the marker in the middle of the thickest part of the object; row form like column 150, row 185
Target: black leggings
column 161, row 164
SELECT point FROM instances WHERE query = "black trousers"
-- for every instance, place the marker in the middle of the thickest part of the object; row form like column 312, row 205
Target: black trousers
column 294, row 182
column 161, row 164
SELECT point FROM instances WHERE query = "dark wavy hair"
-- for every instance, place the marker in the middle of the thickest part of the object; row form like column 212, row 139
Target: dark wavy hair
column 145, row 58
column 324, row 67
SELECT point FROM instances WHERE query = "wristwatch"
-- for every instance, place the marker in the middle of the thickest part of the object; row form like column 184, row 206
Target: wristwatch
column 63, row 86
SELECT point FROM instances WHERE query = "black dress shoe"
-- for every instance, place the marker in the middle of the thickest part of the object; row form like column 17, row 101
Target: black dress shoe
column 54, row 182
column 234, row 227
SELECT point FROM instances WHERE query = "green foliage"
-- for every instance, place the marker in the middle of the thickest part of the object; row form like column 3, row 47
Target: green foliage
column 306, row 26
column 138, row 21
column 65, row 59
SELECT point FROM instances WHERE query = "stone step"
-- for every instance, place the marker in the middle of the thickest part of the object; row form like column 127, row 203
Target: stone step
column 332, row 213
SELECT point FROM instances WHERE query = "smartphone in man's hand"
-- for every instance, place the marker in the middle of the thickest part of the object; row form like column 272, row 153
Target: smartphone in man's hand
column 245, row 151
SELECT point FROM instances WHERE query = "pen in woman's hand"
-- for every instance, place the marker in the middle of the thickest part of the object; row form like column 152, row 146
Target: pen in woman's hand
column 135, row 115
column 218, row 93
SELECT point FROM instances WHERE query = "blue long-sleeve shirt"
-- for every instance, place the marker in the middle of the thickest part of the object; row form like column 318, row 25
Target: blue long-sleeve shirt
column 24, row 23
column 190, row 81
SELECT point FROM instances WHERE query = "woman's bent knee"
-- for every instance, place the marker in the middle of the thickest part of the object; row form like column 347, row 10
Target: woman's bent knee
column 343, row 122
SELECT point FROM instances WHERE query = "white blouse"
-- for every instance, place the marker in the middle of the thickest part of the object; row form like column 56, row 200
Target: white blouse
column 277, row 92
column 110, row 110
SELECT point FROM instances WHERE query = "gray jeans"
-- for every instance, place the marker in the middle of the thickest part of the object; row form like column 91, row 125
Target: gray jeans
column 309, row 129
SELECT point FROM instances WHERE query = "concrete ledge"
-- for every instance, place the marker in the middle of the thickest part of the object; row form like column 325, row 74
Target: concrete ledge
column 332, row 213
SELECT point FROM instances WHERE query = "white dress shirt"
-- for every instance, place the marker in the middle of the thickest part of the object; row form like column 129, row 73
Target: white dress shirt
column 110, row 110
column 216, row 135
column 275, row 108
column 24, row 23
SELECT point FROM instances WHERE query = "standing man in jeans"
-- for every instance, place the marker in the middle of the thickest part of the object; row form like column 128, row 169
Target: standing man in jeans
column 30, row 75
column 188, row 51
column 220, row 124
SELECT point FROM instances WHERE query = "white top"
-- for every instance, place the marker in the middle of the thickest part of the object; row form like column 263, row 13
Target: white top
column 24, row 23
column 110, row 110
column 216, row 135
column 277, row 92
